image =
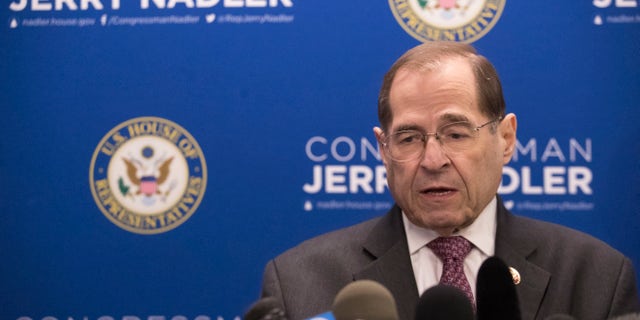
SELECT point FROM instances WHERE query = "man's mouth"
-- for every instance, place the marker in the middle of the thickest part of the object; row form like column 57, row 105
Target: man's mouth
column 437, row 191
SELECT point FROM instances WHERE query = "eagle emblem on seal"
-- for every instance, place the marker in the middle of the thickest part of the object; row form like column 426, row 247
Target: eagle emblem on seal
column 149, row 180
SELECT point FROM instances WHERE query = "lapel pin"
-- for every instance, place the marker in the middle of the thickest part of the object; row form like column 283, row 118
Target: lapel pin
column 515, row 275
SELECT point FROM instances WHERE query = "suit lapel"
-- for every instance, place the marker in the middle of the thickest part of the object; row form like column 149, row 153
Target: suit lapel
column 514, row 247
column 391, row 265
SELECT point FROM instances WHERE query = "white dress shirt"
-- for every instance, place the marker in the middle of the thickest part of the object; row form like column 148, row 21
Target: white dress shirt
column 427, row 267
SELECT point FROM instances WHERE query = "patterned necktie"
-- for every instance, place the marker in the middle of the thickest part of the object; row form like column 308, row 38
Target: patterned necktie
column 452, row 251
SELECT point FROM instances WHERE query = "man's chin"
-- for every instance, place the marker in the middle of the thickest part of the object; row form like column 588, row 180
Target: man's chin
column 441, row 221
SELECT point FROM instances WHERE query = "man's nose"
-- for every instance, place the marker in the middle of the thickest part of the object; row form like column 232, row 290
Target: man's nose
column 435, row 157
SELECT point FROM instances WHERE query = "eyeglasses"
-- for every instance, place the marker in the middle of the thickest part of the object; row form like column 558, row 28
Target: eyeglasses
column 455, row 137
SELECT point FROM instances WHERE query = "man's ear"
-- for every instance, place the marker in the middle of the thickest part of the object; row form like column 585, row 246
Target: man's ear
column 380, row 138
column 507, row 131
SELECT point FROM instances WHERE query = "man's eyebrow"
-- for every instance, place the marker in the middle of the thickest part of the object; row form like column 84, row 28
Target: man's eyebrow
column 408, row 127
column 444, row 119
column 453, row 117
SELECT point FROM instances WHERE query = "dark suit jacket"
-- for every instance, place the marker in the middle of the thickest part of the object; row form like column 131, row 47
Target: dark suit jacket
column 563, row 271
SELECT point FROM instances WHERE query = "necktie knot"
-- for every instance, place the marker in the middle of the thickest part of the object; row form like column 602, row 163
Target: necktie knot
column 447, row 248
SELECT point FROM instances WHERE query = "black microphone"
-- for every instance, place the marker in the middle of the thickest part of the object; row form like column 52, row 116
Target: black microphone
column 442, row 302
column 267, row 308
column 496, row 296
column 364, row 300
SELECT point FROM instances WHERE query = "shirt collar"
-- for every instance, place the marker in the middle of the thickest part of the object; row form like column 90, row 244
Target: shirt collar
column 481, row 233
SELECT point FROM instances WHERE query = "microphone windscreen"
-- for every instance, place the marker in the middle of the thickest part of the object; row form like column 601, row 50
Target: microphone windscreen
column 442, row 302
column 364, row 299
column 267, row 308
column 496, row 296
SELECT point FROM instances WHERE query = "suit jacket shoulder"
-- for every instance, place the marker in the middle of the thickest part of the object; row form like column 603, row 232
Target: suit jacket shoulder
column 307, row 277
column 565, row 271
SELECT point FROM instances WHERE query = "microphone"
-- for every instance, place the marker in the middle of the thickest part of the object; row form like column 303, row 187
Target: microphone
column 496, row 296
column 361, row 300
column 364, row 300
column 267, row 308
column 443, row 302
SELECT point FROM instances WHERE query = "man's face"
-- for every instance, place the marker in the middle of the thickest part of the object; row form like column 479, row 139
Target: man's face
column 444, row 191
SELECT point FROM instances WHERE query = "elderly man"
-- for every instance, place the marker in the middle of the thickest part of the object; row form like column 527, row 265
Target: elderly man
column 444, row 137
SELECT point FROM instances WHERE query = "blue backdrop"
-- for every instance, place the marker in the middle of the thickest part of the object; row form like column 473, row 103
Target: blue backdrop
column 279, row 98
